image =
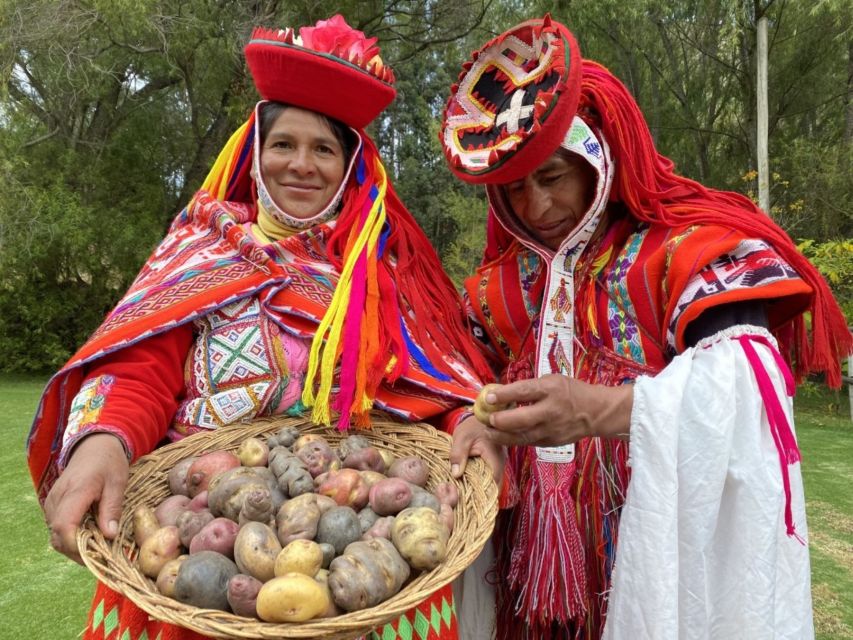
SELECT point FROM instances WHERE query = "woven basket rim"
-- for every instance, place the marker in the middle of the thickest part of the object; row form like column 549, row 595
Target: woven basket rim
column 112, row 562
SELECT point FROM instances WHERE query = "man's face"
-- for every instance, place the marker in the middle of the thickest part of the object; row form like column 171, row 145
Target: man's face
column 551, row 201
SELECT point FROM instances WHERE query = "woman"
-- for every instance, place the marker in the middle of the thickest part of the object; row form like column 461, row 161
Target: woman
column 295, row 260
column 622, row 302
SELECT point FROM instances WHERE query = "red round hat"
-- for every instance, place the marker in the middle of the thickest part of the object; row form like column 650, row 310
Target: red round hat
column 513, row 104
column 330, row 68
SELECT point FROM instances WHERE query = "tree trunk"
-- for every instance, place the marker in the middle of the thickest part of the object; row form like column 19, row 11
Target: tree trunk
column 762, row 159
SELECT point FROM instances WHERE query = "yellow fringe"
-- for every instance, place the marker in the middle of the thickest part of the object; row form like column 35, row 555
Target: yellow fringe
column 336, row 314
column 216, row 182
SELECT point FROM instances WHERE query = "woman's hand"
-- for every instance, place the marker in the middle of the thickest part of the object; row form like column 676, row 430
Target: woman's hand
column 558, row 410
column 469, row 440
column 97, row 473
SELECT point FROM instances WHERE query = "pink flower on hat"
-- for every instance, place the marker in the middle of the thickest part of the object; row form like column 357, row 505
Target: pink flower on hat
column 336, row 37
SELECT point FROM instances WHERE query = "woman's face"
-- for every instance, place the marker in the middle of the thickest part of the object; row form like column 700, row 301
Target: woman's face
column 302, row 163
column 551, row 201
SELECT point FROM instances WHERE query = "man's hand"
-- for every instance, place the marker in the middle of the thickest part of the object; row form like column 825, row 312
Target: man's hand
column 97, row 473
column 469, row 440
column 558, row 410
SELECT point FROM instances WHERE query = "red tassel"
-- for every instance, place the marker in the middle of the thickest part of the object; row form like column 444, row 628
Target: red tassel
column 554, row 588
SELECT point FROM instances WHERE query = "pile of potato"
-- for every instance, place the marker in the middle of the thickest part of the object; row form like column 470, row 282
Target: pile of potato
column 291, row 529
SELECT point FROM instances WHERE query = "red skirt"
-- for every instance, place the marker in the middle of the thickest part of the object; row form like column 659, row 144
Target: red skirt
column 114, row 617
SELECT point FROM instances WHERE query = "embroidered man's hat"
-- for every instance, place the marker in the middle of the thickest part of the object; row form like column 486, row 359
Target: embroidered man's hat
column 513, row 104
column 330, row 68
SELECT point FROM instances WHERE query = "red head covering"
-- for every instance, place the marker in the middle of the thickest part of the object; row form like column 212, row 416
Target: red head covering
column 516, row 97
column 330, row 68
column 646, row 183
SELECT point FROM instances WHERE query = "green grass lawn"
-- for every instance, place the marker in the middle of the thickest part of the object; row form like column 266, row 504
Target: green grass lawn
column 44, row 595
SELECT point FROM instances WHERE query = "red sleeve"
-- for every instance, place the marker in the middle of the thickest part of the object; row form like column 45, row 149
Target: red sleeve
column 133, row 393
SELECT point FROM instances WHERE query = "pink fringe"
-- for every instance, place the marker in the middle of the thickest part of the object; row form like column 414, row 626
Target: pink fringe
column 780, row 428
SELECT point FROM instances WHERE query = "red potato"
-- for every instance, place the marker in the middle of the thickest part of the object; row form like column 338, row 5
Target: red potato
column 447, row 493
column 445, row 516
column 346, row 487
column 167, row 512
column 389, row 497
column 206, row 467
column 199, row 503
column 217, row 535
column 380, row 529
column 178, row 476
column 367, row 459
column 411, row 469
column 243, row 595
column 160, row 547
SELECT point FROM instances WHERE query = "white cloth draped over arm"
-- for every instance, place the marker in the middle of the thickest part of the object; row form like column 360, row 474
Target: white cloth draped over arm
column 703, row 551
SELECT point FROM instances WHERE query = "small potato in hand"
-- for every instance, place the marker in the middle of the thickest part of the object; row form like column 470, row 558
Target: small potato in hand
column 484, row 409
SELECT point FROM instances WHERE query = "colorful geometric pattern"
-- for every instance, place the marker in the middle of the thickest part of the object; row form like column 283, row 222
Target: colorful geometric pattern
column 752, row 265
column 87, row 404
column 620, row 311
column 433, row 619
column 113, row 617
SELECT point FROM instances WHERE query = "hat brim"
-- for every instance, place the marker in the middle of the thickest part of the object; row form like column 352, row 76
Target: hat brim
column 317, row 81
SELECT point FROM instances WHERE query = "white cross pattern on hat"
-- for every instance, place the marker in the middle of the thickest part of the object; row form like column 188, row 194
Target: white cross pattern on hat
column 515, row 113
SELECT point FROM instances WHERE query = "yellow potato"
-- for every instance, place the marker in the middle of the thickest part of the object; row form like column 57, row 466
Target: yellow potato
column 145, row 523
column 483, row 409
column 299, row 556
column 293, row 597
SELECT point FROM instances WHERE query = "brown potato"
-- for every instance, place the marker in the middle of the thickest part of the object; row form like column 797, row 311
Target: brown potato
column 368, row 573
column 144, row 523
column 297, row 519
column 160, row 547
column 255, row 550
column 190, row 523
column 307, row 439
column 411, row 469
column 365, row 459
column 168, row 575
column 253, row 452
column 421, row 537
column 332, row 610
column 371, row 477
column 299, row 556
column 319, row 457
column 293, row 597
column 178, row 476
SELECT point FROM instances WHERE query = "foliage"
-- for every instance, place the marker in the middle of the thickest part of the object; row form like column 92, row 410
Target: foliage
column 111, row 113
column 834, row 259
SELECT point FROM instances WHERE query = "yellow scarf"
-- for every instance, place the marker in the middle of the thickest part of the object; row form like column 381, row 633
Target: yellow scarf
column 268, row 229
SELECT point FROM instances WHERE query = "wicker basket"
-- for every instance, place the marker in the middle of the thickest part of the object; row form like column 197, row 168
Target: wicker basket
column 113, row 562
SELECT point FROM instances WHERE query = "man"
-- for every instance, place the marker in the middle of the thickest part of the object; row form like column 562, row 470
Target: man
column 634, row 315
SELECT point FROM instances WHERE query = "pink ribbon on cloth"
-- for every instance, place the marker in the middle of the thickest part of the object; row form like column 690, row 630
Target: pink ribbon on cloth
column 780, row 428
